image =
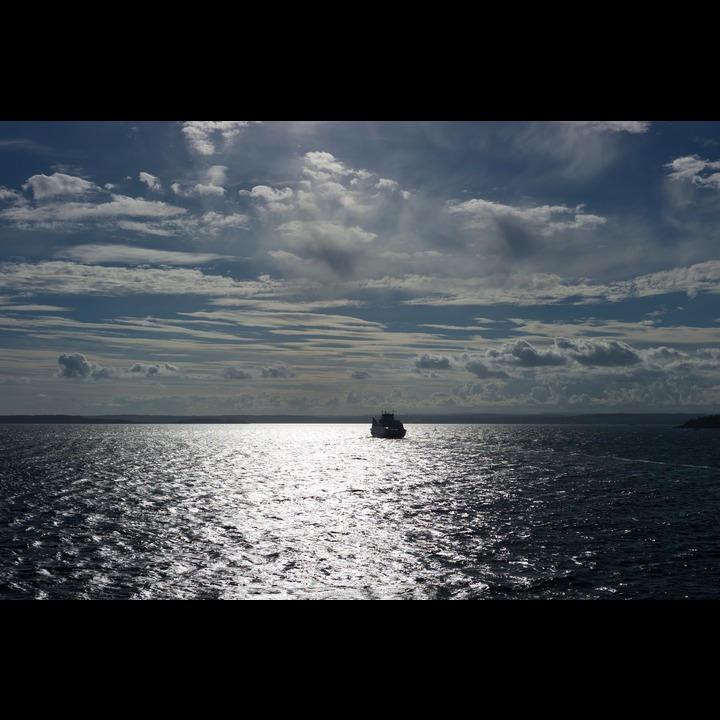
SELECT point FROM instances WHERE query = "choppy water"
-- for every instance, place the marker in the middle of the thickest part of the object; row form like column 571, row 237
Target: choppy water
column 282, row 511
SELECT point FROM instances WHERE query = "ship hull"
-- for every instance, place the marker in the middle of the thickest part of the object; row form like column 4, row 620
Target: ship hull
column 387, row 432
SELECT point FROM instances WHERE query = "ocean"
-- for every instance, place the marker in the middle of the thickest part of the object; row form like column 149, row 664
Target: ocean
column 327, row 512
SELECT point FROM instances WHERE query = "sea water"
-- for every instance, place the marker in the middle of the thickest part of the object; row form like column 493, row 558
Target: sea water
column 323, row 511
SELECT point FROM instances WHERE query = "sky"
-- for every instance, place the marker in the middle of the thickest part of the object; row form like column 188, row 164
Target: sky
column 334, row 268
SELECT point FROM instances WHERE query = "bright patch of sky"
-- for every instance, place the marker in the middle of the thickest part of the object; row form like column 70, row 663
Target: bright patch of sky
column 339, row 268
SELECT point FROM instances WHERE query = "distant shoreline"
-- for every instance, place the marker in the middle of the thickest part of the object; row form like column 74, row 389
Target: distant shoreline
column 676, row 419
column 706, row 421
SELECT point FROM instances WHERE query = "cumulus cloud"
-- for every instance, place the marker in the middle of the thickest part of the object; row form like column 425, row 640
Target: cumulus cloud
column 77, row 367
column 217, row 174
column 50, row 186
column 9, row 195
column 480, row 369
column 268, row 194
column 693, row 169
column 150, row 180
column 432, row 362
column 323, row 165
column 277, row 371
column 233, row 373
column 598, row 352
column 316, row 248
column 545, row 219
column 206, row 137
column 521, row 357
column 273, row 199
column 360, row 375
column 528, row 356
column 151, row 370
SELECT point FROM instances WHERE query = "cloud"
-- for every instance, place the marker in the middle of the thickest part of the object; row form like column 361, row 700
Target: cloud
column 598, row 352
column 613, row 126
column 62, row 216
column 217, row 174
column 62, row 277
column 323, row 165
column 528, row 356
column 546, row 220
column 213, row 223
column 360, row 375
column 77, row 367
column 233, row 373
column 208, row 190
column 214, row 187
column 276, row 200
column 480, row 369
column 50, row 186
column 136, row 256
column 315, row 248
column 578, row 150
column 9, row 195
column 206, row 136
column 432, row 362
column 155, row 369
column 74, row 366
column 150, row 180
column 277, row 371
column 695, row 170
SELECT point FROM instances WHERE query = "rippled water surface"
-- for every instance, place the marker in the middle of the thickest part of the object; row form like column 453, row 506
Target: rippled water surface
column 283, row 511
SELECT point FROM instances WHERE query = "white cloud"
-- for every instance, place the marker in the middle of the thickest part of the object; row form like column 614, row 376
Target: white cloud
column 208, row 190
column 204, row 136
column 323, row 165
column 132, row 255
column 217, row 174
column 150, row 180
column 695, row 170
column 54, row 215
column 9, row 195
column 214, row 222
column 49, row 186
column 269, row 195
column 614, row 126
column 545, row 219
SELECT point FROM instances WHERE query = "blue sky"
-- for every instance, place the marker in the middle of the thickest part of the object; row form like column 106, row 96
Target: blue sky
column 339, row 268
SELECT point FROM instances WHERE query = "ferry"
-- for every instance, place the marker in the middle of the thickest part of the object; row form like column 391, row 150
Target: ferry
column 388, row 426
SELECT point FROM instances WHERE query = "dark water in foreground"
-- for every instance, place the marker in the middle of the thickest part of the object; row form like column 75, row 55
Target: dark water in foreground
column 328, row 512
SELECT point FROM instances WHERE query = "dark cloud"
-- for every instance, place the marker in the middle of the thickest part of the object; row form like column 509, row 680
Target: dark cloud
column 432, row 362
column 233, row 373
column 77, row 366
column 150, row 370
column 360, row 375
column 279, row 371
column 531, row 357
column 74, row 366
column 605, row 353
column 481, row 370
